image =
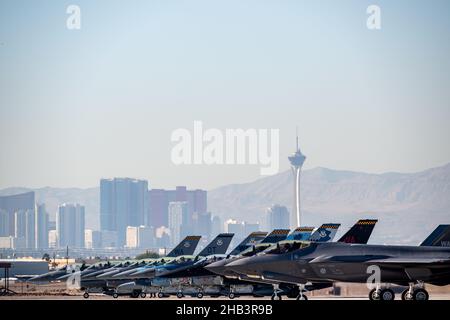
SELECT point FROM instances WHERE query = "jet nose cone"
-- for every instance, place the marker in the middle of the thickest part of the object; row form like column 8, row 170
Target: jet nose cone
column 244, row 266
column 146, row 273
column 218, row 267
column 124, row 274
column 106, row 275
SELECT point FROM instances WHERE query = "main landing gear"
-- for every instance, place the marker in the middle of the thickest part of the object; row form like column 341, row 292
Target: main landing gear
column 415, row 293
column 301, row 294
column 276, row 293
column 385, row 294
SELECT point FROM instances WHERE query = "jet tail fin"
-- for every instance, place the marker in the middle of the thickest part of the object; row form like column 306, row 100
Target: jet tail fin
column 218, row 246
column 301, row 233
column 440, row 237
column 276, row 235
column 325, row 232
column 360, row 232
column 252, row 239
column 185, row 247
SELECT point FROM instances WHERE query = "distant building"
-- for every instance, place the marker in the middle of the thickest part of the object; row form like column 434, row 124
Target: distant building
column 146, row 237
column 41, row 227
column 139, row 237
column 216, row 226
column 24, row 228
column 109, row 239
column 202, row 224
column 92, row 239
column 70, row 225
column 240, row 229
column 132, row 237
column 123, row 202
column 162, row 237
column 277, row 217
column 52, row 239
column 7, row 242
column 8, row 206
column 237, row 228
column 251, row 227
column 159, row 200
column 178, row 212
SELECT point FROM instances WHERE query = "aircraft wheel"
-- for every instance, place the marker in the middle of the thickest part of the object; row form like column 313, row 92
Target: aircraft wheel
column 200, row 295
column 160, row 295
column 374, row 294
column 406, row 295
column 180, row 295
column 276, row 297
column 143, row 295
column 387, row 295
column 231, row 295
column 86, row 295
column 420, row 295
column 115, row 295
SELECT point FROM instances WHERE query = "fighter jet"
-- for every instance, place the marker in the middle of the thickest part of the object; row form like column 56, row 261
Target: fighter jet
column 145, row 275
column 410, row 266
column 105, row 278
column 54, row 275
column 198, row 281
column 359, row 233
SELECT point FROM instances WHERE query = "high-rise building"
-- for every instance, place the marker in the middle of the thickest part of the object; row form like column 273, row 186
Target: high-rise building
column 202, row 224
column 159, row 200
column 52, row 239
column 216, row 226
column 178, row 212
column 4, row 223
column 11, row 204
column 41, row 226
column 132, row 237
column 277, row 217
column 123, row 202
column 24, row 228
column 296, row 159
column 251, row 227
column 109, row 239
column 139, row 237
column 237, row 228
column 70, row 225
column 92, row 239
column 146, row 237
column 162, row 238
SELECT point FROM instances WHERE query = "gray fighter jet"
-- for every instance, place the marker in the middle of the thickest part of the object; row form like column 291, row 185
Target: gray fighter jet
column 104, row 278
column 304, row 262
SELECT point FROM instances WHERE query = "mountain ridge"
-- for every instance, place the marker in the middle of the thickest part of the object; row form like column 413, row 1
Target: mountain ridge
column 422, row 199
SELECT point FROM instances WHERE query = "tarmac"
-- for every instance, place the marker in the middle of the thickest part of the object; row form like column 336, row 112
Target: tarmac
column 106, row 297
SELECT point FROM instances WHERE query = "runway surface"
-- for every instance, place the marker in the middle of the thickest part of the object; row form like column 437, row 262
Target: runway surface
column 105, row 297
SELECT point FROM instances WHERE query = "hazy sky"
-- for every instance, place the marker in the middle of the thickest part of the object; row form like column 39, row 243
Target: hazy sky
column 78, row 105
